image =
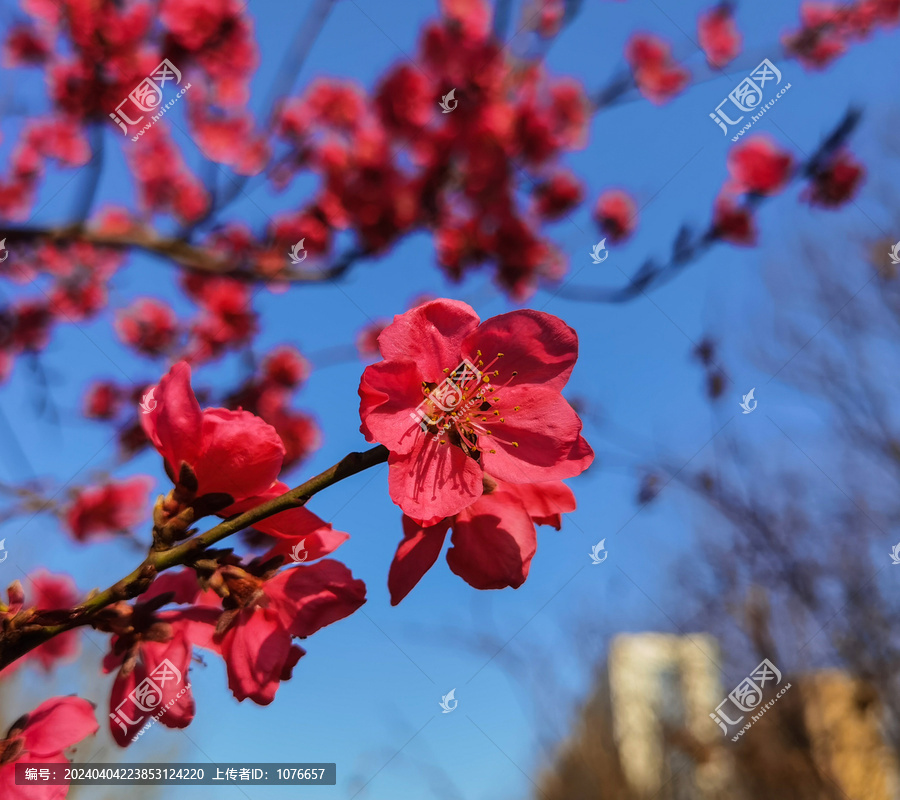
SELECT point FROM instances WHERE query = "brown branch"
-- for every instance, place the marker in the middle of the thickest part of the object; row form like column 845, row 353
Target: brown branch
column 18, row 639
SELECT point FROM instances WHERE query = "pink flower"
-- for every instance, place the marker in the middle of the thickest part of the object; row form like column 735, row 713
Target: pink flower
column 718, row 35
column 656, row 74
column 759, row 165
column 493, row 540
column 230, row 452
column 49, row 593
column 254, row 633
column 138, row 658
column 40, row 737
column 196, row 23
column 836, row 182
column 732, row 222
column 367, row 339
column 114, row 507
column 512, row 423
column 148, row 325
column 286, row 366
column 102, row 400
column 558, row 195
column 25, row 46
column 616, row 214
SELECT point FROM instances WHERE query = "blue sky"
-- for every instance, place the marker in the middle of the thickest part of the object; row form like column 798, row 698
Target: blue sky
column 366, row 695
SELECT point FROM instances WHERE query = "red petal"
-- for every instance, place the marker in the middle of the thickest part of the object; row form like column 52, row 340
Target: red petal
column 174, row 424
column 256, row 650
column 389, row 393
column 309, row 598
column 493, row 543
column 415, row 555
column 242, row 454
column 546, row 431
column 58, row 723
column 541, row 348
column 436, row 481
column 429, row 335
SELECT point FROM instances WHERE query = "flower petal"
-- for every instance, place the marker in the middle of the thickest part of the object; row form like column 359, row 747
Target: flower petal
column 541, row 348
column 430, row 335
column 415, row 555
column 58, row 723
column 539, row 442
column 389, row 393
column 242, row 454
column 493, row 543
column 174, row 424
column 544, row 502
column 436, row 481
column 256, row 649
column 309, row 598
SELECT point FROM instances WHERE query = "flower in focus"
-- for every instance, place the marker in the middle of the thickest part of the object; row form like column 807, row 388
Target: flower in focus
column 229, row 452
column 493, row 540
column 455, row 397
column 113, row 507
column 262, row 614
column 40, row 737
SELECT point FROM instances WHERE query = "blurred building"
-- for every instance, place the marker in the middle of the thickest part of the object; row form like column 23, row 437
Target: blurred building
column 645, row 733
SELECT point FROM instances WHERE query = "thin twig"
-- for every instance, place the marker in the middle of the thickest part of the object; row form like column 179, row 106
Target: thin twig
column 17, row 640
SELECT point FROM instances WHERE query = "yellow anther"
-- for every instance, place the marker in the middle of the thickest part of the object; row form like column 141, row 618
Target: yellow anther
column 515, row 444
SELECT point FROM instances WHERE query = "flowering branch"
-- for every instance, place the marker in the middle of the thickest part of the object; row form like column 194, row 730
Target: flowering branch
column 689, row 246
column 33, row 627
column 177, row 250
